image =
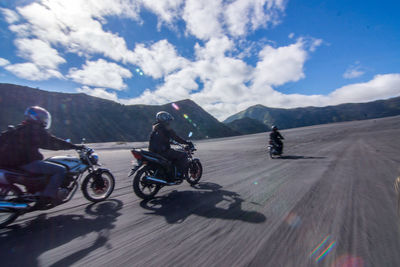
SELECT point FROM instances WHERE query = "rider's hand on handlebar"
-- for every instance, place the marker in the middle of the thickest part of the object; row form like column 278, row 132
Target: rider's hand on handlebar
column 190, row 144
column 79, row 147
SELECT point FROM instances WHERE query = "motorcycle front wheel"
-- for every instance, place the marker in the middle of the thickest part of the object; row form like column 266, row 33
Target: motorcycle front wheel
column 98, row 186
column 7, row 194
column 195, row 172
column 141, row 187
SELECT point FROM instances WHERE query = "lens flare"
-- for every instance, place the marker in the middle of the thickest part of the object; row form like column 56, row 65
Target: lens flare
column 175, row 106
column 190, row 134
column 320, row 245
column 185, row 116
column 348, row 261
column 293, row 220
column 137, row 70
column 325, row 252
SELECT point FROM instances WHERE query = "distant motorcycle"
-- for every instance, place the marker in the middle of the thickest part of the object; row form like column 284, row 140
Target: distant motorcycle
column 152, row 172
column 18, row 188
column 274, row 149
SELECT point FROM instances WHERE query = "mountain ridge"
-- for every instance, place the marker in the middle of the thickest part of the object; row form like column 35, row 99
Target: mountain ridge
column 307, row 116
column 78, row 116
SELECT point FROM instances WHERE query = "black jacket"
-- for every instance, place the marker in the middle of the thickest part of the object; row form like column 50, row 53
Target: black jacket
column 160, row 138
column 20, row 146
column 276, row 136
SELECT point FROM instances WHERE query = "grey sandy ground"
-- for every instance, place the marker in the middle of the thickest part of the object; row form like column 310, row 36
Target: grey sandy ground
column 335, row 183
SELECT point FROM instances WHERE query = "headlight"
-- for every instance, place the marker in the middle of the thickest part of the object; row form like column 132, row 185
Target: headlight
column 94, row 158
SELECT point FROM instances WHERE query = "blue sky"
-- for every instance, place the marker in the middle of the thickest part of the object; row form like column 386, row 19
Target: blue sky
column 224, row 55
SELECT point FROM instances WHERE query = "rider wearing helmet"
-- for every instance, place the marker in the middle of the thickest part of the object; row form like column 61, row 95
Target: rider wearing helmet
column 19, row 148
column 160, row 138
column 276, row 137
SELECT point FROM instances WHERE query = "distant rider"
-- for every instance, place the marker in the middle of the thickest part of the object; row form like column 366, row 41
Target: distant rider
column 160, row 138
column 276, row 137
column 19, row 148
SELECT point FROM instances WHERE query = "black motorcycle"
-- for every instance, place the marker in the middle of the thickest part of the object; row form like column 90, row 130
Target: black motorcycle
column 154, row 172
column 18, row 189
column 274, row 149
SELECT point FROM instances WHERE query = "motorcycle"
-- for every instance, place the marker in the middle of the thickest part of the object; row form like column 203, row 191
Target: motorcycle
column 274, row 149
column 153, row 170
column 19, row 190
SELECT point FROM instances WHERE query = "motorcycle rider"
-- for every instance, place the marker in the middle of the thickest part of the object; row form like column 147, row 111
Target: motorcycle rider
column 160, row 138
column 276, row 138
column 19, row 148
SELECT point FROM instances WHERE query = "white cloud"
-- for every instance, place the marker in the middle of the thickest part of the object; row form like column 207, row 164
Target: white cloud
column 33, row 72
column 229, row 85
column 244, row 14
column 203, row 18
column 101, row 73
column 381, row 86
column 39, row 52
column 280, row 65
column 4, row 62
column 168, row 10
column 77, row 25
column 98, row 92
column 158, row 60
column 10, row 15
column 353, row 71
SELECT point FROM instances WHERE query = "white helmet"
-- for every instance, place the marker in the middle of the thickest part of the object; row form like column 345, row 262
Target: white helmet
column 164, row 116
column 39, row 115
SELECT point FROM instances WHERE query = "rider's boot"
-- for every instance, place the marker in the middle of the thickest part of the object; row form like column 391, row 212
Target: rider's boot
column 43, row 203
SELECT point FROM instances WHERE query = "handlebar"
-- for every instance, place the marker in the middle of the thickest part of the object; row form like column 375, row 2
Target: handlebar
column 184, row 147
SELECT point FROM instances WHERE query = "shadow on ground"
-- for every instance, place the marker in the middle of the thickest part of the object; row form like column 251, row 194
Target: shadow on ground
column 23, row 244
column 179, row 205
column 298, row 157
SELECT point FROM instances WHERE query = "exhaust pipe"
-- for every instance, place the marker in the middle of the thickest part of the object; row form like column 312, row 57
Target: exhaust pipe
column 157, row 181
column 11, row 205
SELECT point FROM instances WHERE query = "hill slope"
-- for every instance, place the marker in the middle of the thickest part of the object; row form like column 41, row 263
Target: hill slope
column 298, row 117
column 247, row 125
column 77, row 116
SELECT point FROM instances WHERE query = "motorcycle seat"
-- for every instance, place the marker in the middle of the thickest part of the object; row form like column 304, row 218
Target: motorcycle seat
column 152, row 154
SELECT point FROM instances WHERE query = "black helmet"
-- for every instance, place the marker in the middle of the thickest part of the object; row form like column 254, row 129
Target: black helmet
column 164, row 116
column 274, row 128
column 39, row 115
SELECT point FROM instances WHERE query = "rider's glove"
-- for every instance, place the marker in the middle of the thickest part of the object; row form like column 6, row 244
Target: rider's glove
column 190, row 144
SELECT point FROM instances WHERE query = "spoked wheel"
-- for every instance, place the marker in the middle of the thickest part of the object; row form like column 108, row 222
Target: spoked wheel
column 195, row 172
column 7, row 194
column 143, row 188
column 98, row 186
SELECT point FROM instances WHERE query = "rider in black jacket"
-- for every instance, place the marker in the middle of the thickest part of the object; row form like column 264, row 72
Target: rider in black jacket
column 19, row 148
column 276, row 137
column 160, row 138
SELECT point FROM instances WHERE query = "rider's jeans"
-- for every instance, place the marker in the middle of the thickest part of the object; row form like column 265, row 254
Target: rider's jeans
column 56, row 171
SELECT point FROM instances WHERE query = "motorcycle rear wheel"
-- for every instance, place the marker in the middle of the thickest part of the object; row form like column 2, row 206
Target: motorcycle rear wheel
column 143, row 189
column 8, row 193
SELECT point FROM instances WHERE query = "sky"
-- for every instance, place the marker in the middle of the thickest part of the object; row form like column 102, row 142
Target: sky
column 224, row 55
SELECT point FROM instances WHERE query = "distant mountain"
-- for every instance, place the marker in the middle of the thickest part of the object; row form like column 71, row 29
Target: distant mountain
column 298, row 117
column 77, row 116
column 247, row 125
